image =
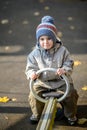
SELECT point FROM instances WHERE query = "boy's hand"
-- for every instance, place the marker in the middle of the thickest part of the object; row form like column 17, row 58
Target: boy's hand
column 34, row 76
column 60, row 71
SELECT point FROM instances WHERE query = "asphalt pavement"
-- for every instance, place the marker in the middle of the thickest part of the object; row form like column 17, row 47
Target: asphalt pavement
column 18, row 22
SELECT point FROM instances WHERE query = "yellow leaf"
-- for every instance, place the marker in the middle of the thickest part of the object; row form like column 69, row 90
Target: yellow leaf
column 13, row 99
column 36, row 13
column 4, row 99
column 82, row 121
column 84, row 88
column 72, row 27
column 46, row 8
column 76, row 63
column 6, row 117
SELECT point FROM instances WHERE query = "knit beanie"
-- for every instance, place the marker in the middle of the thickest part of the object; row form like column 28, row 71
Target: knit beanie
column 47, row 28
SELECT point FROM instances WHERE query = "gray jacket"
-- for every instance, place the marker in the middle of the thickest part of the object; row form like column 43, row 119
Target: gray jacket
column 56, row 57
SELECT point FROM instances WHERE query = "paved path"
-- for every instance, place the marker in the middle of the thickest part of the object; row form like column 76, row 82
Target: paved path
column 18, row 21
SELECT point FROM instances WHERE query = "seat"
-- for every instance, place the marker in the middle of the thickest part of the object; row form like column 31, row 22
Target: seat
column 52, row 94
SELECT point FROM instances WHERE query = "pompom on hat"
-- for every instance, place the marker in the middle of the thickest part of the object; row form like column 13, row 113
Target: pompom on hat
column 47, row 28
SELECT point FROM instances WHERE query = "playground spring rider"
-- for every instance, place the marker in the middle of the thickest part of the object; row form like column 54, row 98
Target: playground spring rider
column 51, row 99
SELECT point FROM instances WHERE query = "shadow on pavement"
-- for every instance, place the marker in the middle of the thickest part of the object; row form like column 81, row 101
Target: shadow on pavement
column 15, row 110
column 23, row 124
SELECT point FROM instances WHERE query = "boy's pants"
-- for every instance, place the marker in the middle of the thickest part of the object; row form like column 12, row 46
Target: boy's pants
column 69, row 103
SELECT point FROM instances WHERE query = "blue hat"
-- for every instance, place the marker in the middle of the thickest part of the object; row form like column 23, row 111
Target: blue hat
column 47, row 28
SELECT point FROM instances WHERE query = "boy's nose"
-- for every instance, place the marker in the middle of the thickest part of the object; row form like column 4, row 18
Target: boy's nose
column 45, row 41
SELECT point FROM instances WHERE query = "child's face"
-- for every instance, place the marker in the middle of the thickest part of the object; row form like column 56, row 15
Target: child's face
column 46, row 42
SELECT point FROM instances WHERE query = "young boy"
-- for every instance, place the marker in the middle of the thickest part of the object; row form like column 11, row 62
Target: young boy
column 49, row 52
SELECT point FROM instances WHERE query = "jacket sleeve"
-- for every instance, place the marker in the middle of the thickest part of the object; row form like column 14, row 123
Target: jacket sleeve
column 31, row 65
column 67, row 62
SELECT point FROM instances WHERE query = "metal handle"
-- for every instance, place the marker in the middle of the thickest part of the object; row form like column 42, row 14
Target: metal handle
column 45, row 100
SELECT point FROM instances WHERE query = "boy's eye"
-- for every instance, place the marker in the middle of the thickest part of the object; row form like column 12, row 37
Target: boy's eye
column 42, row 39
column 49, row 38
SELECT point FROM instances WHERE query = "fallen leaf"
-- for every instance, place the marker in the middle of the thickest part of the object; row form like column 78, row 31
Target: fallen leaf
column 7, row 48
column 46, row 7
column 70, row 18
column 5, row 21
column 36, row 13
column 72, row 27
column 4, row 99
column 84, row 88
column 59, row 34
column 25, row 22
column 14, row 99
column 76, row 63
column 82, row 121
column 6, row 117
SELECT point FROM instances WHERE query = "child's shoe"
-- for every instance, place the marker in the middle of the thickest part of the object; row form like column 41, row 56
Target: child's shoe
column 34, row 120
column 72, row 121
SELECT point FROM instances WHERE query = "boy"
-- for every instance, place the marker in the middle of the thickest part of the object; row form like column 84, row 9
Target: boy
column 49, row 52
